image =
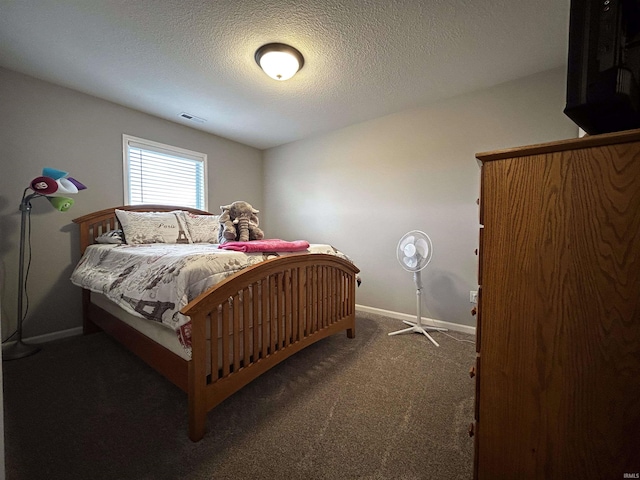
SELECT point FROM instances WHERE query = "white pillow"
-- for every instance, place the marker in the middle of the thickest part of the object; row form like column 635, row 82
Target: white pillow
column 153, row 227
column 203, row 228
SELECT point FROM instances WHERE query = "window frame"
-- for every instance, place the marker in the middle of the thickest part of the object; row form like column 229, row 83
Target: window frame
column 161, row 148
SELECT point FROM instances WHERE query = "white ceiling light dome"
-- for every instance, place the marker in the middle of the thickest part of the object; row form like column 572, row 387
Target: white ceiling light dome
column 279, row 61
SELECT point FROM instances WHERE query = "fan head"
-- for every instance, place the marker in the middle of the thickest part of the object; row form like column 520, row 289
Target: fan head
column 414, row 251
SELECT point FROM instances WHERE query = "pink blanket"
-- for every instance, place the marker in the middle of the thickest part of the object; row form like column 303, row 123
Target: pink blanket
column 266, row 245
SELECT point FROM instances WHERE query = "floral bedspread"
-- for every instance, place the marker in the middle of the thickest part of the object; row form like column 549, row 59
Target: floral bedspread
column 154, row 281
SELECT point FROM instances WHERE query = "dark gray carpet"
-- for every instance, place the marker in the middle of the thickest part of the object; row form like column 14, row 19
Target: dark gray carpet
column 372, row 407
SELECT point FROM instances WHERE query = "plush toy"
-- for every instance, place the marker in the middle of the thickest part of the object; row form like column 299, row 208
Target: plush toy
column 239, row 222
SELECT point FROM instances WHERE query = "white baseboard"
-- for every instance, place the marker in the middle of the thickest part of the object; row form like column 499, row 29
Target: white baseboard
column 49, row 337
column 456, row 327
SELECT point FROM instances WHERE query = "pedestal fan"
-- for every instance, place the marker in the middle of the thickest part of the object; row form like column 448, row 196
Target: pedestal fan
column 414, row 254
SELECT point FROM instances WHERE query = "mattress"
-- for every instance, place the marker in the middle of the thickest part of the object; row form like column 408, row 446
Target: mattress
column 166, row 336
column 155, row 331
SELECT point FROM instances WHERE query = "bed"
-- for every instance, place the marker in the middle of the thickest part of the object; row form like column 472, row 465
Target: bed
column 260, row 315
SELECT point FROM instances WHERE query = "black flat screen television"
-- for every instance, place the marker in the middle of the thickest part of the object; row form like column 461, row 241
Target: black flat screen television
column 603, row 73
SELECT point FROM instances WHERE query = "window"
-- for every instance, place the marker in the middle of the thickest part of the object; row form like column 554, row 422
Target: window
column 161, row 174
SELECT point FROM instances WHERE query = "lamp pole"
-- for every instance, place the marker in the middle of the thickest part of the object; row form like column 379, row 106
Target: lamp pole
column 19, row 349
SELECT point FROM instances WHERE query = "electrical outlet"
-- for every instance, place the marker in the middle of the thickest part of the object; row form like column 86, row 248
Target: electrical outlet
column 473, row 296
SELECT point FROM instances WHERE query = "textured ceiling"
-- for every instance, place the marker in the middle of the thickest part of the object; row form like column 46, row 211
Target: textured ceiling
column 363, row 58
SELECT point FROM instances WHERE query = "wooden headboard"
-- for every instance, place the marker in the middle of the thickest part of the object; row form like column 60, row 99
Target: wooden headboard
column 94, row 224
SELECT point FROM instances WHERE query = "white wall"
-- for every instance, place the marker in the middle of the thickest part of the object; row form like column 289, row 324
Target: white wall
column 362, row 187
column 43, row 125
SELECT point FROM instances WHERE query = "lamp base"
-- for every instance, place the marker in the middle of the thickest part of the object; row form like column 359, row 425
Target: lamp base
column 19, row 349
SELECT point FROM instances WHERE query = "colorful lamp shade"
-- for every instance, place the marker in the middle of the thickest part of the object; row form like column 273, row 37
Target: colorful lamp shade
column 44, row 185
column 61, row 204
column 56, row 185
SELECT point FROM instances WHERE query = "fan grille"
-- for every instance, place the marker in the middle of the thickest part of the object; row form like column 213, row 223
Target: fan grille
column 414, row 250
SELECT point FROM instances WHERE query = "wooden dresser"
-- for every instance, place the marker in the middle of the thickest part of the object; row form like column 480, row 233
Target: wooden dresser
column 558, row 316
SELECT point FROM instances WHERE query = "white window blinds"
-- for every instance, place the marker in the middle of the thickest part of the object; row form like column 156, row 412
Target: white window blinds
column 155, row 173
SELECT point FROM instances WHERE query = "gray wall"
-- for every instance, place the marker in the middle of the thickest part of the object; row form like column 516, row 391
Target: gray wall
column 2, row 453
column 43, row 125
column 359, row 188
column 362, row 187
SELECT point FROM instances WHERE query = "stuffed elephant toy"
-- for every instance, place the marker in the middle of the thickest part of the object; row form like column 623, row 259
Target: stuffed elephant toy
column 239, row 222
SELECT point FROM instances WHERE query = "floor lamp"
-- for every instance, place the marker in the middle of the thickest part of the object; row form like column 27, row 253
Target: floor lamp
column 52, row 185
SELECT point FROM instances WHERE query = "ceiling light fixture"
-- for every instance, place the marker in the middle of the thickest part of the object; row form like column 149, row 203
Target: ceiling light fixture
column 279, row 61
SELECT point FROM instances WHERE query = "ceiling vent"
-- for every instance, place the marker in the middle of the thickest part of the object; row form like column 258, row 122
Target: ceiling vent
column 193, row 118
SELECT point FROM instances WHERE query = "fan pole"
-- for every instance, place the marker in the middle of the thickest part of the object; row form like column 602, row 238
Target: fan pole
column 418, row 327
column 418, row 279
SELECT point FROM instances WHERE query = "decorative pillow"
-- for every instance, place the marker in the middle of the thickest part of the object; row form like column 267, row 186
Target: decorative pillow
column 203, row 228
column 112, row 236
column 153, row 227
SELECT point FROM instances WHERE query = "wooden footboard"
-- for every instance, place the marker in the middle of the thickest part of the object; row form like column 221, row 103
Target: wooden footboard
column 261, row 316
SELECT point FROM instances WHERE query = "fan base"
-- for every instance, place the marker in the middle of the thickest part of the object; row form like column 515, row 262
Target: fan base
column 415, row 328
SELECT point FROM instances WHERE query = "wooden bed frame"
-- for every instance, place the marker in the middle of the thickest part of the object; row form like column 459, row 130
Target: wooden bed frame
column 296, row 300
